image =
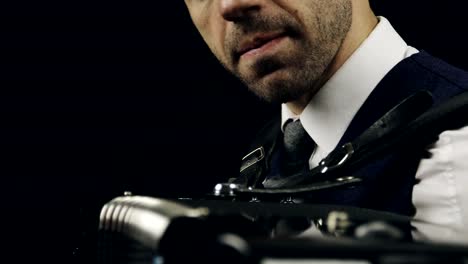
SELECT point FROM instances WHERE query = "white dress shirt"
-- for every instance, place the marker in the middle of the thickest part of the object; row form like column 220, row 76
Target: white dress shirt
column 442, row 195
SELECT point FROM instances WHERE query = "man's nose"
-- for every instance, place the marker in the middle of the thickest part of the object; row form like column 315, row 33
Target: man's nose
column 237, row 10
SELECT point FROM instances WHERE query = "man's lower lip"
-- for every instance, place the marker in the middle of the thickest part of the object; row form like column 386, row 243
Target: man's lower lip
column 264, row 48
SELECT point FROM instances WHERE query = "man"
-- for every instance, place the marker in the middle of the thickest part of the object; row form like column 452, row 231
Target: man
column 337, row 68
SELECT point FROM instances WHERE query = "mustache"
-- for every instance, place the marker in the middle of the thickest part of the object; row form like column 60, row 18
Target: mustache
column 257, row 24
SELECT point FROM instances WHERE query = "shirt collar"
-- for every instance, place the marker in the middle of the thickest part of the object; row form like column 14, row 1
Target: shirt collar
column 331, row 110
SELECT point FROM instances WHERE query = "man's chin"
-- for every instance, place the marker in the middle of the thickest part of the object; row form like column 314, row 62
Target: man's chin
column 275, row 95
column 276, row 89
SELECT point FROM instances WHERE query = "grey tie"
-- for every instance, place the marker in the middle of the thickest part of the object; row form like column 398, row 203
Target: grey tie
column 298, row 148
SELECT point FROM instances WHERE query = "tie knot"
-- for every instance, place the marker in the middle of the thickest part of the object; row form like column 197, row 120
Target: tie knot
column 296, row 139
column 298, row 147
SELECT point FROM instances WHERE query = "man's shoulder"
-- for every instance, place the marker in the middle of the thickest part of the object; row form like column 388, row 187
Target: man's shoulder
column 420, row 71
column 440, row 69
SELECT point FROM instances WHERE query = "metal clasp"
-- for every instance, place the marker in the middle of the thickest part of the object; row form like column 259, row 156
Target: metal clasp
column 339, row 158
column 252, row 158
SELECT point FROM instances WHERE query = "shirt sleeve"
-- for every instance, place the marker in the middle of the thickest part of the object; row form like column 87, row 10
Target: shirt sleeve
column 441, row 196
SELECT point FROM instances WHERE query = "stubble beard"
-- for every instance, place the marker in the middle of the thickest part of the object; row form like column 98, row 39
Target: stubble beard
column 302, row 71
column 281, row 80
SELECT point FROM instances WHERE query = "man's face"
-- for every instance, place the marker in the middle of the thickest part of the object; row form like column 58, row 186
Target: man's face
column 279, row 48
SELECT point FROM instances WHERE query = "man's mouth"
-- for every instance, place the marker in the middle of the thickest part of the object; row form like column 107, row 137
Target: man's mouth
column 258, row 44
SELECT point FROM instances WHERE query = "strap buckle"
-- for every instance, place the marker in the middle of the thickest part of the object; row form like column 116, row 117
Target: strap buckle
column 252, row 158
column 337, row 159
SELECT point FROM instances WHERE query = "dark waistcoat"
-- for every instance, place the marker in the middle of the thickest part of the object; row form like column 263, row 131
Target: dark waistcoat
column 388, row 181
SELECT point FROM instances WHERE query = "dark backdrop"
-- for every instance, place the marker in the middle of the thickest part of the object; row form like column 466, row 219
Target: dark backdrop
column 102, row 97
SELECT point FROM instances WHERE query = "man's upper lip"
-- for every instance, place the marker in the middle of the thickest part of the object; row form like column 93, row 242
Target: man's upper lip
column 256, row 41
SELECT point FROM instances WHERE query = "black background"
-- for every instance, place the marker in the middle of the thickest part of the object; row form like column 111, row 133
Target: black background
column 102, row 97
